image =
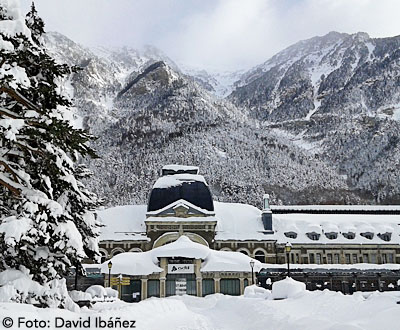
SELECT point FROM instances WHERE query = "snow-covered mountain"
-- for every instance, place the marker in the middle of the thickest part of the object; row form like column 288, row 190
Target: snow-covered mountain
column 338, row 96
column 267, row 136
column 338, row 73
column 220, row 83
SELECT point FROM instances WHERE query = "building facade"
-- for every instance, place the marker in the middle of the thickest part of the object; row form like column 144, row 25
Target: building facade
column 181, row 203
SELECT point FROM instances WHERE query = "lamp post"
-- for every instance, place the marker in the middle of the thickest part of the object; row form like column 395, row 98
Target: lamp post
column 252, row 270
column 288, row 248
column 109, row 273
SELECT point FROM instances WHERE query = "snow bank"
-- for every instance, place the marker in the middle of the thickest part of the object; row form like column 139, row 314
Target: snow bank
column 79, row 295
column 316, row 310
column 97, row 291
column 111, row 293
column 287, row 288
column 254, row 291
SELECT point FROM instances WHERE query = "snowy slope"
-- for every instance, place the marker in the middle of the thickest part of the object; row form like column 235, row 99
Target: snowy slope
column 317, row 310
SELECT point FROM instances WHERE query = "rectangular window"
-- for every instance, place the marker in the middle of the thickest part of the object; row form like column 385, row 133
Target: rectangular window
column 329, row 258
column 373, row 258
column 337, row 258
column 153, row 288
column 297, row 258
column 230, row 286
column 390, row 258
column 355, row 259
column 208, row 287
column 312, row 261
column 292, row 257
column 347, row 258
column 318, row 258
column 384, row 258
column 365, row 258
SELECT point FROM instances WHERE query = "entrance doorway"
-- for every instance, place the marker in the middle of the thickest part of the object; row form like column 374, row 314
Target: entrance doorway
column 179, row 280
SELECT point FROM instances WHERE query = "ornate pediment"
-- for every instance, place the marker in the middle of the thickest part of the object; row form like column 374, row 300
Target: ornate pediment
column 180, row 209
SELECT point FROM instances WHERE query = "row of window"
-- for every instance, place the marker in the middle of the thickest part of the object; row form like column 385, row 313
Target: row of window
column 334, row 258
column 333, row 235
column 227, row 286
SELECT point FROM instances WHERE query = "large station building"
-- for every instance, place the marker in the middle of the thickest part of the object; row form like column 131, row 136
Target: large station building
column 181, row 204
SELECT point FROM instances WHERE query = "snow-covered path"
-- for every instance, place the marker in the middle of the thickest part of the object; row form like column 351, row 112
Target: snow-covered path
column 318, row 310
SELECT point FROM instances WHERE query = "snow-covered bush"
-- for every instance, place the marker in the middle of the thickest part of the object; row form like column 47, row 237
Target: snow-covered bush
column 111, row 293
column 254, row 291
column 18, row 286
column 79, row 295
column 287, row 288
column 97, row 291
column 47, row 223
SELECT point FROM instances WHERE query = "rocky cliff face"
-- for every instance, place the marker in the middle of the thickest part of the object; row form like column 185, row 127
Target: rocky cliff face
column 292, row 127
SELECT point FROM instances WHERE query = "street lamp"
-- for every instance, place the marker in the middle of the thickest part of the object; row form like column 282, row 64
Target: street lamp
column 288, row 248
column 109, row 273
column 252, row 271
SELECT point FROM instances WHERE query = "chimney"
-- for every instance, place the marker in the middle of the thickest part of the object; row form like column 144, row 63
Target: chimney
column 266, row 214
column 266, row 202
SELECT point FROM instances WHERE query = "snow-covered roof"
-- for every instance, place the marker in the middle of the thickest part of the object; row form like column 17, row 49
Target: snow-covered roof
column 176, row 168
column 238, row 222
column 243, row 222
column 132, row 263
column 303, row 208
column 168, row 181
column 340, row 223
column 183, row 247
column 123, row 223
column 362, row 266
column 145, row 263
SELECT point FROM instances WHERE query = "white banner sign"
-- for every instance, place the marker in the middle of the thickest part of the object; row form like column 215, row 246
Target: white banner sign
column 180, row 286
column 180, row 269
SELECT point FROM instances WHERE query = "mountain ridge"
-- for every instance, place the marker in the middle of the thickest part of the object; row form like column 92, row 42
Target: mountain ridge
column 298, row 155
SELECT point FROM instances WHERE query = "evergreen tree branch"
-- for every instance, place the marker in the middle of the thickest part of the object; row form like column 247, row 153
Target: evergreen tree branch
column 9, row 169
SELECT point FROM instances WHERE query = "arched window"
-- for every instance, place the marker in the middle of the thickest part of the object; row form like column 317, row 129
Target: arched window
column 260, row 256
column 244, row 251
column 116, row 251
column 135, row 250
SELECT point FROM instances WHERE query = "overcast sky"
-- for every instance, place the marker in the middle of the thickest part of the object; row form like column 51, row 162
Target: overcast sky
column 215, row 34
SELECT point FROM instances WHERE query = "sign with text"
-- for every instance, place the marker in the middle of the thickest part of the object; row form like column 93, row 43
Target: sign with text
column 180, row 269
column 180, row 286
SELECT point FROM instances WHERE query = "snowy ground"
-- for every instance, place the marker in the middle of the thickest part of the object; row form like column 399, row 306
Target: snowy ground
column 308, row 310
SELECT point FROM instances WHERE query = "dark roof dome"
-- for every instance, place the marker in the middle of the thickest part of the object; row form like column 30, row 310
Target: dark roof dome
column 190, row 187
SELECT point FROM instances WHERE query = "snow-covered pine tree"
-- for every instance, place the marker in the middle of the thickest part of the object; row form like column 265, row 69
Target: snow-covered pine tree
column 46, row 214
column 35, row 24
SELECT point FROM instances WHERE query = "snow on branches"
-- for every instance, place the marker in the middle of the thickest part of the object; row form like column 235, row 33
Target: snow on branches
column 46, row 214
